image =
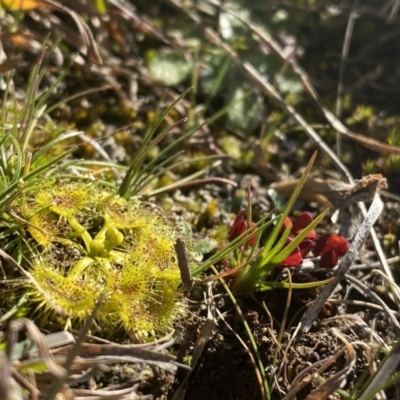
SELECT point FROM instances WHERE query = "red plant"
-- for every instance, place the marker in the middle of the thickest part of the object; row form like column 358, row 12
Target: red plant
column 239, row 226
column 330, row 248
column 302, row 221
column 305, row 246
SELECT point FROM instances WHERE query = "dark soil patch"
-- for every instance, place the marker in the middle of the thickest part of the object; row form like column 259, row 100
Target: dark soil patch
column 225, row 369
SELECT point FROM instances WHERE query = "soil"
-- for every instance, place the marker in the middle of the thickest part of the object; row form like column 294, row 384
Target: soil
column 226, row 368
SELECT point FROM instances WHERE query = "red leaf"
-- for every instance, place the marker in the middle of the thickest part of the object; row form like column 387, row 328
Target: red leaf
column 302, row 221
column 292, row 259
column 334, row 242
column 287, row 222
column 239, row 225
column 254, row 238
column 237, row 229
column 329, row 259
column 239, row 216
column 310, row 235
column 321, row 245
column 340, row 244
column 305, row 246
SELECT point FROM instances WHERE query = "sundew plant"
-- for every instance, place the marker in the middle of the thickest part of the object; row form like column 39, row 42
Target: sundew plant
column 89, row 242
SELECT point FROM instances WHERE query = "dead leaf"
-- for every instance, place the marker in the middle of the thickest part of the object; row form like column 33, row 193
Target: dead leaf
column 333, row 193
column 9, row 65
